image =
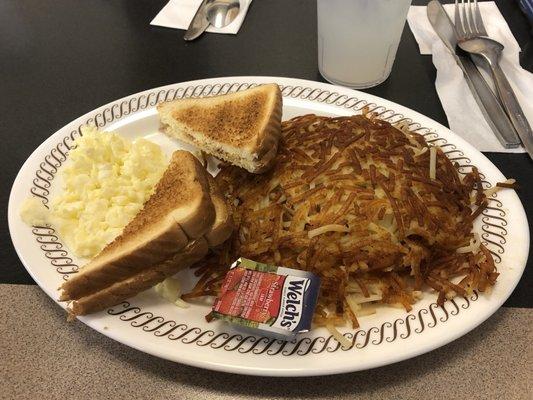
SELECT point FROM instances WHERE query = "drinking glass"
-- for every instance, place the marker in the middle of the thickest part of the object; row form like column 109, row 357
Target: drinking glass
column 358, row 39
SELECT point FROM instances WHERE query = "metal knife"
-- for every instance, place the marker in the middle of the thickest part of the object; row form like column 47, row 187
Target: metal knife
column 487, row 101
column 198, row 24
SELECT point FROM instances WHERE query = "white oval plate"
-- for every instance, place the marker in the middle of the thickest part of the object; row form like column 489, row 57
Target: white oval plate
column 148, row 323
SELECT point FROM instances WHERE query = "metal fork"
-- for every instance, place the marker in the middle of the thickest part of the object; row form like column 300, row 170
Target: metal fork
column 473, row 39
column 469, row 24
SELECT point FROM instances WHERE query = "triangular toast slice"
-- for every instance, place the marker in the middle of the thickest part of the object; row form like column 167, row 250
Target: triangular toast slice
column 179, row 211
column 242, row 128
column 119, row 291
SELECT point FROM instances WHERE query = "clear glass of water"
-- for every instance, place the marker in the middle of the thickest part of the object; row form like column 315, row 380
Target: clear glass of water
column 358, row 39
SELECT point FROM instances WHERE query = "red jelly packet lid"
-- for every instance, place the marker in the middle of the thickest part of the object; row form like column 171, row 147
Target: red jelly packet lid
column 276, row 300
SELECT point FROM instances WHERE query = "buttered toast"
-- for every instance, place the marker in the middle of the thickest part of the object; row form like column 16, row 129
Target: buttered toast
column 179, row 211
column 196, row 250
column 102, row 284
column 242, row 128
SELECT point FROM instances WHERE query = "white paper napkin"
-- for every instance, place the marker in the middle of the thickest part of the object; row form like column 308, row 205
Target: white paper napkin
column 464, row 116
column 179, row 13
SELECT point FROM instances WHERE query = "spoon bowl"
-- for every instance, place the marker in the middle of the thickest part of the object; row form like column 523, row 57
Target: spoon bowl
column 483, row 46
column 221, row 13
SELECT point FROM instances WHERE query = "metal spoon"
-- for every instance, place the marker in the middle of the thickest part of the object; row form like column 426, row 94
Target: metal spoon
column 222, row 12
column 218, row 13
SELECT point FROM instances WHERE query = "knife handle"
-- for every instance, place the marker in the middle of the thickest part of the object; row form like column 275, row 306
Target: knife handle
column 511, row 105
column 491, row 108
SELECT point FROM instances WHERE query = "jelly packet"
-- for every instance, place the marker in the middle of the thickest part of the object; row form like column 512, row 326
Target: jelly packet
column 275, row 301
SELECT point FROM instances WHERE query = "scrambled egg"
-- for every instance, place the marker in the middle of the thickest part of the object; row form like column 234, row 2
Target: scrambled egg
column 33, row 212
column 170, row 289
column 106, row 181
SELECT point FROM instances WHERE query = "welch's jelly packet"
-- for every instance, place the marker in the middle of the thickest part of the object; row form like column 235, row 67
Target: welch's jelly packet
column 276, row 301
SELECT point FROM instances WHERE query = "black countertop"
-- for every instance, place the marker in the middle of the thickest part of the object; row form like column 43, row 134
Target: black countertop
column 60, row 59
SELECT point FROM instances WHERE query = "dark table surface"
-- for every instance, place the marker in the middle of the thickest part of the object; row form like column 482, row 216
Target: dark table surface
column 62, row 58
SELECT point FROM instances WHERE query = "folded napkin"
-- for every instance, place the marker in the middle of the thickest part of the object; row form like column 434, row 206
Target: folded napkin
column 179, row 13
column 464, row 116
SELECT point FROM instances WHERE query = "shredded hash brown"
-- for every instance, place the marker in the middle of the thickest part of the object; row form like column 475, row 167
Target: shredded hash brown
column 372, row 209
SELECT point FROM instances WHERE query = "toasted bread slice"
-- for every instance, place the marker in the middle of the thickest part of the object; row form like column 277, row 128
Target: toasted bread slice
column 123, row 289
column 179, row 210
column 144, row 280
column 242, row 128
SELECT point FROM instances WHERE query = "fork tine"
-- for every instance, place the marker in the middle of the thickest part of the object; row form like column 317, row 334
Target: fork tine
column 463, row 19
column 467, row 9
column 480, row 26
column 458, row 21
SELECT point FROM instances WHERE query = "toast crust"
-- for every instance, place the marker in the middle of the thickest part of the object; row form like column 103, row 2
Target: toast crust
column 223, row 226
column 140, row 282
column 179, row 210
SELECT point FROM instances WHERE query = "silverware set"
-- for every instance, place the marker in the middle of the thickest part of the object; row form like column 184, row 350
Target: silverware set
column 218, row 13
column 471, row 47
